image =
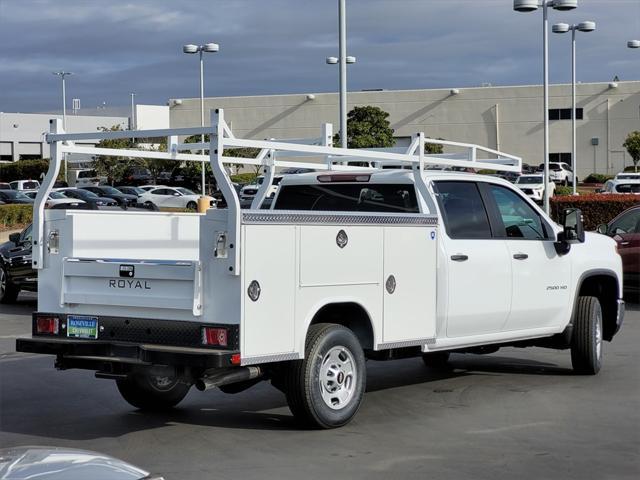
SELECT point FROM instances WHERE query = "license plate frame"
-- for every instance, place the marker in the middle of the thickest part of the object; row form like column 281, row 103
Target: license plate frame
column 82, row 326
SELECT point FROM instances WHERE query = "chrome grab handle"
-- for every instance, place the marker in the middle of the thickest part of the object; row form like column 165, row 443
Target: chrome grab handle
column 521, row 256
column 459, row 258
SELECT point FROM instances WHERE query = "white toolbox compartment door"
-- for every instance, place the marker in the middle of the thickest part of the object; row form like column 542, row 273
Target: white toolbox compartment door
column 409, row 284
column 132, row 283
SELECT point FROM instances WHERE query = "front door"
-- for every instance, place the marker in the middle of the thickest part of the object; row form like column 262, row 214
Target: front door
column 540, row 277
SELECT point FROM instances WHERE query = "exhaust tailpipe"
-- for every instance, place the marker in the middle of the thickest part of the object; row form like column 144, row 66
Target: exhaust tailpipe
column 217, row 377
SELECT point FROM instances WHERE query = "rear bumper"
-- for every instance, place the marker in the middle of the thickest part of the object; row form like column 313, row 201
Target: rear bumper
column 136, row 341
column 94, row 355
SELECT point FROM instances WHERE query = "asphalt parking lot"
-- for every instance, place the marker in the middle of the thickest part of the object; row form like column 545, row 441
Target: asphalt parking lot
column 519, row 413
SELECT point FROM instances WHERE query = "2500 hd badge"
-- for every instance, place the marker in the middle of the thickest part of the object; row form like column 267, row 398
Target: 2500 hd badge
column 130, row 284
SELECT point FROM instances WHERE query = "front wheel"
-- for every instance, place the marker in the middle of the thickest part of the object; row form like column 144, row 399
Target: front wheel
column 192, row 206
column 325, row 389
column 586, row 340
column 152, row 393
column 8, row 291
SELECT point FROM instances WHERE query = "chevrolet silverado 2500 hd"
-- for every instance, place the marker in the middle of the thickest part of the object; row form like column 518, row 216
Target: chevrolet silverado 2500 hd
column 348, row 264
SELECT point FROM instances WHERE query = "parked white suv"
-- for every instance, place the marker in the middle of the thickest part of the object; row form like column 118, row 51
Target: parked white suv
column 25, row 185
column 533, row 186
column 248, row 192
column 559, row 172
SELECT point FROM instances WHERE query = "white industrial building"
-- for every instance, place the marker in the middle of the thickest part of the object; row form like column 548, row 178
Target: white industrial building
column 22, row 134
column 507, row 118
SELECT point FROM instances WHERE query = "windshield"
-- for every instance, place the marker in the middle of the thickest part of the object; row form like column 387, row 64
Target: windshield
column 82, row 193
column 56, row 195
column 628, row 188
column 185, row 191
column 628, row 176
column 14, row 195
column 529, row 180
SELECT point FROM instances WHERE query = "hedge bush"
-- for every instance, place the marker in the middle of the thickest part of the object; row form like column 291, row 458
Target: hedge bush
column 597, row 178
column 23, row 170
column 596, row 208
column 562, row 190
column 15, row 215
column 243, row 178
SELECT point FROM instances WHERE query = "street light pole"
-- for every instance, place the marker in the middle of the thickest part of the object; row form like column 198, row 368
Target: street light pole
column 62, row 75
column 530, row 6
column 342, row 19
column 633, row 44
column 564, row 28
column 201, row 49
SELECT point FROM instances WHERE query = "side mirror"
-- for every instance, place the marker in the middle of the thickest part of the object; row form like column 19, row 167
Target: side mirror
column 572, row 225
column 572, row 230
column 15, row 238
column 603, row 228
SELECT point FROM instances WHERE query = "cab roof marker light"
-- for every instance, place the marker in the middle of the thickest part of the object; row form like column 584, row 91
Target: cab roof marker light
column 344, row 178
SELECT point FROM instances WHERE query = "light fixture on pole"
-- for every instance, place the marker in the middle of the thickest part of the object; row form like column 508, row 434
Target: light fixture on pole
column 633, row 44
column 206, row 48
column 564, row 28
column 63, row 75
column 530, row 6
column 342, row 60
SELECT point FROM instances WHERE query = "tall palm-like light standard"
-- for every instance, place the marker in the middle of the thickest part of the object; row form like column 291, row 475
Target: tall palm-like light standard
column 63, row 75
column 342, row 60
column 206, row 48
column 531, row 6
column 564, row 28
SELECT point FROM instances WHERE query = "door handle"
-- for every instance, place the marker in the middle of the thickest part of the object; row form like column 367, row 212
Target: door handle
column 459, row 258
column 624, row 244
column 521, row 256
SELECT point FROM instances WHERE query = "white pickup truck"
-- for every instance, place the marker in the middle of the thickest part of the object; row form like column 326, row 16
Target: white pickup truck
column 349, row 264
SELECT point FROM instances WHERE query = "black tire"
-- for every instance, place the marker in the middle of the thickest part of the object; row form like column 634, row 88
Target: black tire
column 152, row 393
column 326, row 343
column 8, row 291
column 586, row 340
column 192, row 206
column 437, row 360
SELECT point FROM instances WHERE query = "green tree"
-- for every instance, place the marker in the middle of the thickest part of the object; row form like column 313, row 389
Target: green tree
column 367, row 127
column 434, row 148
column 114, row 167
column 244, row 152
column 632, row 144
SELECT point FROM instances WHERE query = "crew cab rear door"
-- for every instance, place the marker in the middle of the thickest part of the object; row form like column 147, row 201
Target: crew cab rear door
column 477, row 265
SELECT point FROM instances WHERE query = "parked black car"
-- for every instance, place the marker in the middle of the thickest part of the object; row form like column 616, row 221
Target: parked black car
column 15, row 196
column 137, row 191
column 88, row 197
column 16, row 272
column 110, row 192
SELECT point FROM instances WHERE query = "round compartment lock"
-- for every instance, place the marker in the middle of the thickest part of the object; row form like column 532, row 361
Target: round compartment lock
column 391, row 284
column 254, row 291
column 342, row 239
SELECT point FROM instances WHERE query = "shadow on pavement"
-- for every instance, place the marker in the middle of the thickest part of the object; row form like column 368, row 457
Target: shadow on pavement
column 93, row 408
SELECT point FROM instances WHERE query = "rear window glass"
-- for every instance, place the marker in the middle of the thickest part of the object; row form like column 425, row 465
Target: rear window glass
column 87, row 174
column 628, row 188
column 463, row 210
column 349, row 197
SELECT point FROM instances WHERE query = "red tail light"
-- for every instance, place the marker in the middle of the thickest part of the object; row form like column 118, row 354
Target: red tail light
column 236, row 359
column 215, row 336
column 344, row 178
column 47, row 325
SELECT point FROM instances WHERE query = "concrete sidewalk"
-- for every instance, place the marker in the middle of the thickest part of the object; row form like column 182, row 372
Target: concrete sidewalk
column 4, row 235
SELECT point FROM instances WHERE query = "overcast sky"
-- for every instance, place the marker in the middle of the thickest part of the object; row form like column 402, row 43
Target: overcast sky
column 115, row 47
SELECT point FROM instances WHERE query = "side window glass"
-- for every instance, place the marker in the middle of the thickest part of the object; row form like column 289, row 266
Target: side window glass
column 519, row 218
column 463, row 210
column 26, row 235
column 627, row 224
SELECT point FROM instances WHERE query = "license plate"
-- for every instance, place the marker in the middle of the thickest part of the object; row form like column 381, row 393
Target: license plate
column 82, row 327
